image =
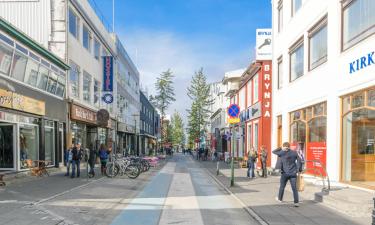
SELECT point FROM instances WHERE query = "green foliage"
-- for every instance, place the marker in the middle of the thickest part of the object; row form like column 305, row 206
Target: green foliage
column 199, row 93
column 177, row 129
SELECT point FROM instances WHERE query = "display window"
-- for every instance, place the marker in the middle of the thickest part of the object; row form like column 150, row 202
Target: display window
column 358, row 137
column 308, row 134
column 49, row 144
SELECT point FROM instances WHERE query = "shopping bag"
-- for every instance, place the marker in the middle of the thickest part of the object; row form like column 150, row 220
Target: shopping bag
column 300, row 182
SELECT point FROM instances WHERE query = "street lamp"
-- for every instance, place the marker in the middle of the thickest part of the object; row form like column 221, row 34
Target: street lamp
column 135, row 131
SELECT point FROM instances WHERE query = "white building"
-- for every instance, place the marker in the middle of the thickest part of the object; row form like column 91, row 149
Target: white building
column 324, row 84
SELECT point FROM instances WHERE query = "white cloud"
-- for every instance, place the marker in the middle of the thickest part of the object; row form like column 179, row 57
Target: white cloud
column 154, row 52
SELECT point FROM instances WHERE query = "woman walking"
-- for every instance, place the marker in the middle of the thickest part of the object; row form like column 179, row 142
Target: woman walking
column 103, row 155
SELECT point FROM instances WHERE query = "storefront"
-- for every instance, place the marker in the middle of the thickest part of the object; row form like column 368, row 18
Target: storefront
column 358, row 137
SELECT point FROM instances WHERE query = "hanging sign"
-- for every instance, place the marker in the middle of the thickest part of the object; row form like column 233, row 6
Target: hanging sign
column 107, row 73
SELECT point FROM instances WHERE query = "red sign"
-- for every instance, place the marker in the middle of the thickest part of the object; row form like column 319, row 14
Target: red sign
column 316, row 151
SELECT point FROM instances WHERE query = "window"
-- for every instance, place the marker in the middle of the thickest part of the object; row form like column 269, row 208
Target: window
column 6, row 54
column 86, row 86
column 296, row 5
column 49, row 142
column 52, row 83
column 74, row 80
column 296, row 61
column 96, row 49
column 19, row 66
column 280, row 72
column 358, row 21
column 256, row 88
column 249, row 93
column 86, row 38
column 318, row 44
column 280, row 16
column 73, row 23
column 60, row 90
column 43, row 78
column 31, row 75
column 96, row 93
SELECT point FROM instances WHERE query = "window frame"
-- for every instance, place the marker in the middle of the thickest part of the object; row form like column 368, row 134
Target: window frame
column 280, row 61
column 293, row 13
column 361, row 36
column 89, row 36
column 77, row 23
column 321, row 24
column 299, row 43
column 280, row 8
column 97, row 44
column 85, row 75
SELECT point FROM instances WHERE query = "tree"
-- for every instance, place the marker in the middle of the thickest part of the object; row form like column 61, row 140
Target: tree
column 164, row 95
column 199, row 93
column 177, row 130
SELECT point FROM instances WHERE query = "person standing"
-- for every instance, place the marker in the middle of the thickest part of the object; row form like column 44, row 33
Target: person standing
column 290, row 166
column 252, row 157
column 68, row 156
column 263, row 160
column 103, row 155
column 77, row 154
column 92, row 159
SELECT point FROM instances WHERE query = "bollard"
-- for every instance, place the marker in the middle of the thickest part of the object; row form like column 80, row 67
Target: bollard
column 217, row 168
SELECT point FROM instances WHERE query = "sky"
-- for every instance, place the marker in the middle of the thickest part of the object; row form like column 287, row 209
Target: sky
column 186, row 35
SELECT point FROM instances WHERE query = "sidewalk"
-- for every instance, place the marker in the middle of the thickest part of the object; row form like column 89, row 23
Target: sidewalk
column 259, row 195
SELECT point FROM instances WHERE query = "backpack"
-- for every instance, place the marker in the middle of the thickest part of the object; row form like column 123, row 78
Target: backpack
column 103, row 154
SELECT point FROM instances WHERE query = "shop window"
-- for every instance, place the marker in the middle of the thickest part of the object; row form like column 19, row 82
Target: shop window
column 29, row 144
column 318, row 129
column 74, row 79
column 49, row 144
column 78, row 133
column 308, row 113
column 358, row 100
column 256, row 136
column 86, row 38
column 19, row 66
column 31, row 75
column 280, row 14
column 6, row 54
column 296, row 60
column 296, row 5
column 73, row 23
column 280, row 72
column 318, row 44
column 358, row 21
column 43, row 78
column 318, row 109
column 86, row 87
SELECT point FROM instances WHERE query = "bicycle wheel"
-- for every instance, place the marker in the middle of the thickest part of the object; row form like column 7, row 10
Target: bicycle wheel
column 111, row 170
column 132, row 171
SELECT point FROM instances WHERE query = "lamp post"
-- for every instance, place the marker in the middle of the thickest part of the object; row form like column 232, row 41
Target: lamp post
column 135, row 131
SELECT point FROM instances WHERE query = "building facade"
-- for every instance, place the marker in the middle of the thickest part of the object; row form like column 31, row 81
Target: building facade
column 33, row 113
column 148, row 133
column 324, row 85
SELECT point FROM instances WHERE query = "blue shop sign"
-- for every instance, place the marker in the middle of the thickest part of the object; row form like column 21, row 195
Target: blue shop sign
column 361, row 63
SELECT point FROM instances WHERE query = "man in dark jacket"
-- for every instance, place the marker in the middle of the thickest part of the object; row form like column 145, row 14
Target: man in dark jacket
column 263, row 160
column 290, row 166
column 77, row 153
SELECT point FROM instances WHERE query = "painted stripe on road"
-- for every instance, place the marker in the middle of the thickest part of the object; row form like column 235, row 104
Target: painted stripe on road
column 148, row 205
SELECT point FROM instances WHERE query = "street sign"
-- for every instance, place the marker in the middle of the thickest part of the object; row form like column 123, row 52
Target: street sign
column 233, row 110
column 233, row 120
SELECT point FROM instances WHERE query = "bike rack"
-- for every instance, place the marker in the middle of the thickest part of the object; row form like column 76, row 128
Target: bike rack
column 315, row 169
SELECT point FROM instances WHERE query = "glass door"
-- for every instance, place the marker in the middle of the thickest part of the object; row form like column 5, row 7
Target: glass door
column 7, row 144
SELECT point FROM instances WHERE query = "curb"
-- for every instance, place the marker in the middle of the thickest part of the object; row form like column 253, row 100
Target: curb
column 245, row 207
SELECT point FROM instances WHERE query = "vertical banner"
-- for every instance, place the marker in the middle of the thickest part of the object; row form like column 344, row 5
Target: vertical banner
column 317, row 151
column 107, row 74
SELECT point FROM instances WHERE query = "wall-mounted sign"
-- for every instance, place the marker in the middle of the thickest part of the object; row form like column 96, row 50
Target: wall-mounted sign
column 107, row 98
column 102, row 118
column 361, row 63
column 19, row 102
column 267, row 90
column 263, row 44
column 107, row 74
column 82, row 114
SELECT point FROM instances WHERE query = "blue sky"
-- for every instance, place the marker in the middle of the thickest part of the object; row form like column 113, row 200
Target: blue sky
column 185, row 35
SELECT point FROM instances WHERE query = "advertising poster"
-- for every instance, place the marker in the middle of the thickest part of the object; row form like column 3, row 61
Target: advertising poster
column 316, row 151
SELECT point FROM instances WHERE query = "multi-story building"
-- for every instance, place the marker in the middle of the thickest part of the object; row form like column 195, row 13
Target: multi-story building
column 324, row 89
column 32, row 108
column 148, row 133
column 72, row 30
column 128, row 99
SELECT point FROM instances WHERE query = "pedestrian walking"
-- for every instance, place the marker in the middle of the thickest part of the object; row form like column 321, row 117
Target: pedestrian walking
column 92, row 159
column 290, row 166
column 252, row 155
column 68, row 157
column 263, row 160
column 103, row 155
column 77, row 154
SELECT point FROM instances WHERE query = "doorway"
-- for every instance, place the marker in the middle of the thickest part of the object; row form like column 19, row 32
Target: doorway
column 7, row 144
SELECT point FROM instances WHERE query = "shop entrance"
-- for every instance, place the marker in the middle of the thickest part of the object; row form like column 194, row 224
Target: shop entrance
column 7, row 146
